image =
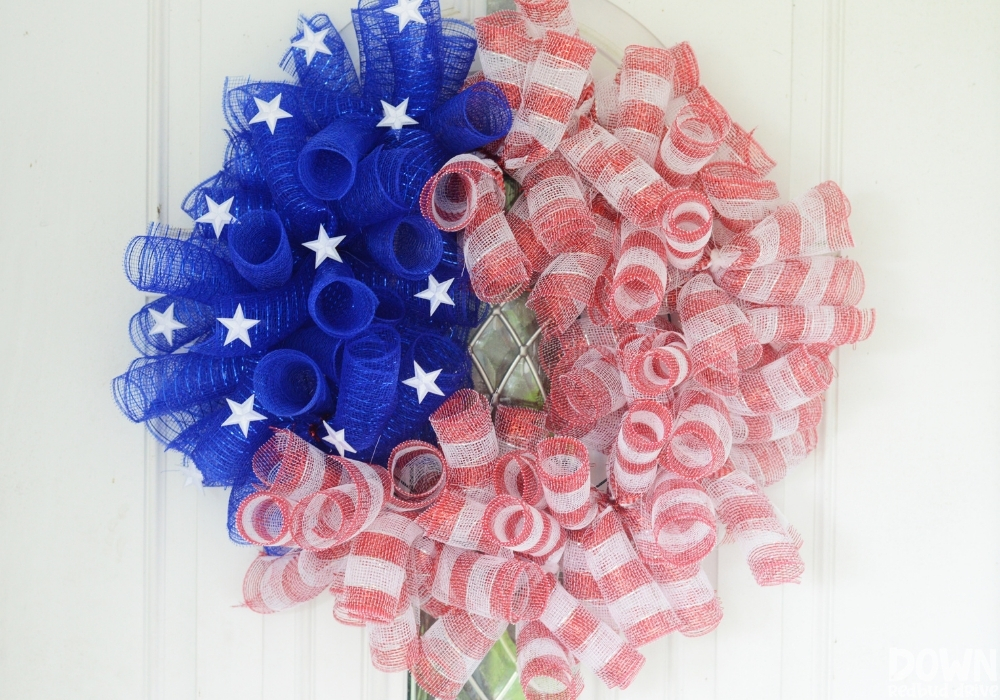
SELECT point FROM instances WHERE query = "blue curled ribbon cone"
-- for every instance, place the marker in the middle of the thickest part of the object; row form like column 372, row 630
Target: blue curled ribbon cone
column 302, row 298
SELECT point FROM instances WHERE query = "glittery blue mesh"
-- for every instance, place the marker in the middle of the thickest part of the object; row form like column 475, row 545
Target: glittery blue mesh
column 196, row 317
column 174, row 429
column 409, row 247
column 156, row 385
column 223, row 451
column 367, row 395
column 289, row 383
column 332, row 72
column 339, row 304
column 329, row 160
column 221, row 187
column 170, row 266
column 478, row 115
column 391, row 309
column 458, row 50
column 322, row 348
column 258, row 248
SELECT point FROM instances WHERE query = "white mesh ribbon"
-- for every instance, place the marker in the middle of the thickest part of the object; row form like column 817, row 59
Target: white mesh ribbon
column 687, row 227
column 645, row 85
column 564, row 288
column 696, row 133
column 640, row 278
column 505, row 52
column 515, row 475
column 272, row 584
column 817, row 281
column 645, row 430
column 786, row 383
column 393, row 644
column 542, row 15
column 452, row 649
column 545, row 669
column 457, row 519
column 580, row 582
column 740, row 196
column 468, row 439
column 522, row 528
column 682, row 519
column 417, row 473
column 564, row 470
column 774, row 426
column 560, row 216
column 830, row 325
column 654, row 363
column 587, row 393
column 702, row 437
column 716, row 329
column 768, row 462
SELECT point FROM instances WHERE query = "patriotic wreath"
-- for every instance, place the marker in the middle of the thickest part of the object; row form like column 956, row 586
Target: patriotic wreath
column 339, row 263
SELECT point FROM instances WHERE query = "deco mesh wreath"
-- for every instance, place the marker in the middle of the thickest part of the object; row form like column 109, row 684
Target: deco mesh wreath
column 321, row 306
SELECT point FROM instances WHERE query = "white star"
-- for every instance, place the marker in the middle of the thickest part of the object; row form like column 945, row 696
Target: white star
column 238, row 326
column 395, row 117
column 436, row 293
column 164, row 324
column 242, row 415
column 325, row 247
column 192, row 475
column 407, row 10
column 337, row 439
column 218, row 215
column 269, row 112
column 312, row 43
column 423, row 382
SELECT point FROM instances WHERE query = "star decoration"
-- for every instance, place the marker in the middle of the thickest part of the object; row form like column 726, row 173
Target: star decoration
column 436, row 293
column 218, row 215
column 238, row 326
column 337, row 439
column 164, row 324
column 243, row 415
column 312, row 43
column 325, row 247
column 423, row 382
column 269, row 112
column 407, row 11
column 192, row 475
column 395, row 117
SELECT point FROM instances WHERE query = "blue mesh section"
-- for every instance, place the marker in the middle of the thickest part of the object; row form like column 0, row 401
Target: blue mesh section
column 328, row 163
column 258, row 248
column 339, row 304
column 223, row 452
column 431, row 352
column 458, row 50
column 241, row 163
column 289, row 383
column 333, row 72
column 374, row 57
column 391, row 308
column 478, row 115
column 153, row 386
column 170, row 428
column 409, row 247
column 183, row 268
column 322, row 348
column 196, row 317
column 245, row 482
column 321, row 108
column 220, row 188
column 279, row 312
column 367, row 388
column 278, row 152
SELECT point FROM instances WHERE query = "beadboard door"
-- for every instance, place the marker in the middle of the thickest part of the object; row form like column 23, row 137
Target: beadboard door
column 118, row 581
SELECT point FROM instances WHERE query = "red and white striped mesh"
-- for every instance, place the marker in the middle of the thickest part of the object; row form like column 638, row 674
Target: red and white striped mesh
column 564, row 471
column 587, row 393
column 654, row 363
column 817, row 281
column 695, row 135
column 813, row 224
column 505, row 588
column 519, row 220
column 272, row 584
column 376, row 569
column 552, row 90
column 514, row 474
column 325, row 568
column 559, row 213
column 505, row 51
column 740, row 196
column 626, row 181
column 336, row 515
column 605, row 108
column 451, row 650
column 645, row 86
column 686, row 73
column 771, row 547
column 420, row 570
column 542, row 15
column 519, row 428
column 741, row 147
column 786, row 383
column 564, row 289
column 830, row 325
column 715, row 328
column 640, row 278
column 464, row 429
column 417, row 474
column 632, row 466
column 290, row 467
column 637, row 604
column 522, row 528
column 774, row 426
column 702, row 436
column 687, row 227
column 263, row 519
column 393, row 644
column 545, row 668
column 467, row 193
column 682, row 519
column 692, row 596
column 768, row 462
column 456, row 519
column 599, row 647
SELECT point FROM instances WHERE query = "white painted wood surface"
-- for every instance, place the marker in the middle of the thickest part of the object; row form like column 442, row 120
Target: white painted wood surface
column 116, row 582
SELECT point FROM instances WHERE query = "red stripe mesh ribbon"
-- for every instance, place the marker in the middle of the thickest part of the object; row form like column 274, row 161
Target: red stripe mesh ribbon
column 544, row 666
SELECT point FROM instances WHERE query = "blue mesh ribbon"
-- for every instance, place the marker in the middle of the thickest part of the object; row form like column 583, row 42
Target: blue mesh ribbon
column 317, row 336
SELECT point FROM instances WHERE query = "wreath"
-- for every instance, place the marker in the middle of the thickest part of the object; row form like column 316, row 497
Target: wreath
column 309, row 346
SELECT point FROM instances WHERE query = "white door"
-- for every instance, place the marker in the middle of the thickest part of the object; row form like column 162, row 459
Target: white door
column 116, row 581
